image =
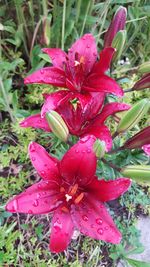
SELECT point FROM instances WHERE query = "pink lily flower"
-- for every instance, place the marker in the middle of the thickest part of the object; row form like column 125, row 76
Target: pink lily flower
column 80, row 121
column 79, row 71
column 70, row 189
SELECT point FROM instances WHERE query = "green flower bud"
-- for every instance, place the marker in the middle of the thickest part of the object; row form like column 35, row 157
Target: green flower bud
column 99, row 148
column 139, row 173
column 118, row 43
column 57, row 125
column 144, row 68
column 133, row 115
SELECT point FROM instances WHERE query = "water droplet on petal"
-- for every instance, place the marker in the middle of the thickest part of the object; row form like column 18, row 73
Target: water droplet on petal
column 41, row 71
column 88, row 46
column 106, row 228
column 33, row 158
column 76, row 150
column 15, row 205
column 32, row 147
column 85, row 218
column 92, row 225
column 100, row 231
column 36, row 203
column 30, row 211
column 99, row 221
column 88, row 150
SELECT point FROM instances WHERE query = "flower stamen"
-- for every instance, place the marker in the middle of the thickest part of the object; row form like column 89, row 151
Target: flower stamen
column 79, row 198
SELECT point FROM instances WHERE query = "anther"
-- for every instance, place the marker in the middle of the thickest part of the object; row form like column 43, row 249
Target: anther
column 73, row 190
column 79, row 198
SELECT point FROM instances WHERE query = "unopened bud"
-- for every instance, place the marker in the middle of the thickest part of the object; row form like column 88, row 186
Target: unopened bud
column 57, row 125
column 143, row 83
column 144, row 68
column 140, row 173
column 117, row 24
column 140, row 139
column 99, row 148
column 46, row 30
column 118, row 43
column 133, row 115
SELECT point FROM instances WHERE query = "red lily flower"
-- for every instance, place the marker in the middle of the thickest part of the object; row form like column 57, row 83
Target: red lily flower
column 70, row 189
column 78, row 71
column 80, row 120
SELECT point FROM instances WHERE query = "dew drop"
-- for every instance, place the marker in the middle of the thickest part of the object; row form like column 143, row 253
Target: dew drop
column 41, row 71
column 85, row 218
column 33, row 158
column 15, row 205
column 106, row 228
column 32, row 147
column 88, row 46
column 88, row 150
column 99, row 221
column 100, row 231
column 77, row 151
column 92, row 225
column 36, row 203
column 30, row 211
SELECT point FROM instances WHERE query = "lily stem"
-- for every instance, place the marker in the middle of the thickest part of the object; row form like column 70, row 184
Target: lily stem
column 6, row 101
column 63, row 25
column 128, row 90
column 111, row 165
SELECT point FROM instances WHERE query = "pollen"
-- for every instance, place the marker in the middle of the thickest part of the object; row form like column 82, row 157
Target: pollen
column 73, row 190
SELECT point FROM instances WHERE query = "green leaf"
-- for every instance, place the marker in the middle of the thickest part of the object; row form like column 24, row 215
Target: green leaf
column 136, row 263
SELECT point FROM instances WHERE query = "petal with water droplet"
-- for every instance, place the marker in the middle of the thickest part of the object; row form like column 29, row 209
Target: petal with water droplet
column 62, row 230
column 57, row 56
column 45, row 164
column 90, row 227
column 39, row 198
column 35, row 121
column 74, row 167
column 47, row 75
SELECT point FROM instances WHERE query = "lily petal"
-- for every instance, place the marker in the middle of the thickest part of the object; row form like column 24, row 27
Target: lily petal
column 47, row 75
column 83, row 50
column 146, row 149
column 35, row 121
column 40, row 198
column 108, row 190
column 54, row 100
column 45, row 165
column 102, row 83
column 92, row 219
column 62, row 230
column 74, row 167
column 57, row 56
column 105, row 60
column 110, row 109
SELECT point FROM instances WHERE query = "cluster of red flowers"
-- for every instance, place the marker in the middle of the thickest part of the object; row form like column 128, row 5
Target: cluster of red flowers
column 69, row 187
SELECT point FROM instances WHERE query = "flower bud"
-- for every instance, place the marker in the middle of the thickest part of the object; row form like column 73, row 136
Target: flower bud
column 140, row 139
column 133, row 115
column 46, row 30
column 118, row 43
column 140, row 173
column 99, row 148
column 57, row 125
column 117, row 24
column 143, row 83
column 144, row 68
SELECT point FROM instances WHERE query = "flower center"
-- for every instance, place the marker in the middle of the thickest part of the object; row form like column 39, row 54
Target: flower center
column 72, row 196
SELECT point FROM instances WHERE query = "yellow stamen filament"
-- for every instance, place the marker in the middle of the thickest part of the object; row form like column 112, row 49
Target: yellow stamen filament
column 79, row 198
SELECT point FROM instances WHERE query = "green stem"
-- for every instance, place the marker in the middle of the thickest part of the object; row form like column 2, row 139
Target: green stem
column 128, row 90
column 6, row 100
column 85, row 17
column 63, row 25
column 111, row 165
